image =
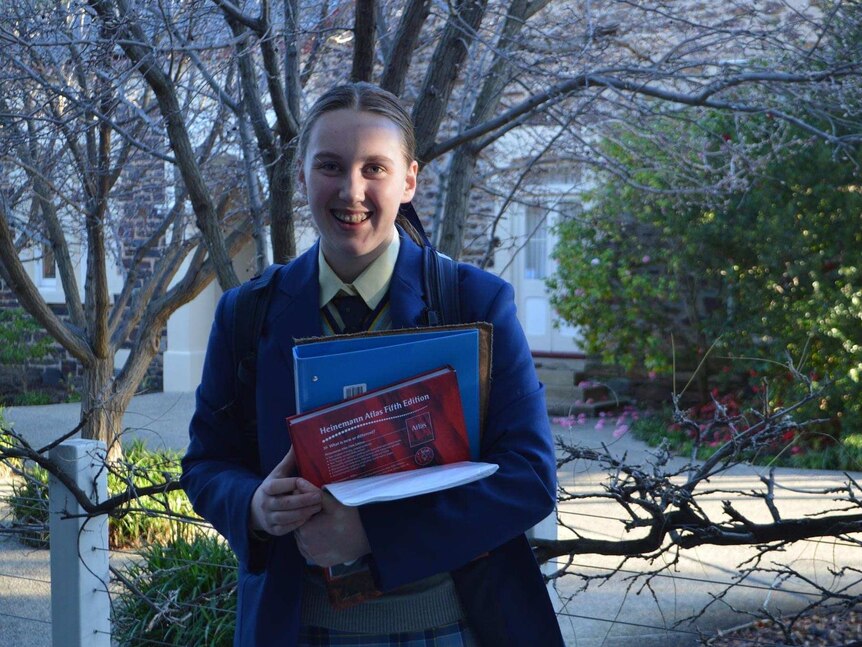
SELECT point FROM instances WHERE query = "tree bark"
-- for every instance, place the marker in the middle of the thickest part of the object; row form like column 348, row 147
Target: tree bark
column 102, row 408
column 449, row 55
column 363, row 40
column 398, row 64
column 282, row 188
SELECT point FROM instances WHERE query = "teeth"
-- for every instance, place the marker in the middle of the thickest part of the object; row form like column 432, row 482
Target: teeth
column 351, row 218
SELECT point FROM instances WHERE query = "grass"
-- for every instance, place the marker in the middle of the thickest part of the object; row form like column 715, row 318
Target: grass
column 182, row 593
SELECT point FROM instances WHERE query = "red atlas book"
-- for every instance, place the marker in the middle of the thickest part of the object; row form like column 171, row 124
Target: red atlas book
column 401, row 440
column 413, row 424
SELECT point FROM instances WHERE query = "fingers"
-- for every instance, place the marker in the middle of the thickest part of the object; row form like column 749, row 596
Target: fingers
column 279, row 486
column 278, row 508
column 280, row 521
column 283, row 502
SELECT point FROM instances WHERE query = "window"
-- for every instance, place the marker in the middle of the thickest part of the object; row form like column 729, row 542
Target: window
column 536, row 250
column 49, row 266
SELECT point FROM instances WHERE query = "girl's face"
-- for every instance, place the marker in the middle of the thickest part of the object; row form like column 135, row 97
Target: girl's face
column 355, row 175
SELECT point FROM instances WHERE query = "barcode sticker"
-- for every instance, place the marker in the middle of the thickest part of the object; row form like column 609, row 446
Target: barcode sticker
column 352, row 390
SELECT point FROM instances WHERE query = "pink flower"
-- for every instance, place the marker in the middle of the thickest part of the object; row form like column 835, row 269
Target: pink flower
column 652, row 375
column 620, row 431
column 645, row 259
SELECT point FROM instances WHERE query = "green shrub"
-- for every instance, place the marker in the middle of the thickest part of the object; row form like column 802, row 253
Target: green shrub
column 28, row 504
column 147, row 520
column 140, row 522
column 652, row 428
column 189, row 588
column 32, row 398
column 798, row 447
column 22, row 340
column 845, row 455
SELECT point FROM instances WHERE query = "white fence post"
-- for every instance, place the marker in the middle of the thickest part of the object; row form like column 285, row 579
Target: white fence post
column 80, row 604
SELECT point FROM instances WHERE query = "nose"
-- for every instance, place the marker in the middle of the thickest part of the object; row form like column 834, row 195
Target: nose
column 353, row 188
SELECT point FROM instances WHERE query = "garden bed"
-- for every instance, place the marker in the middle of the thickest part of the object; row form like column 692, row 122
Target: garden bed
column 823, row 629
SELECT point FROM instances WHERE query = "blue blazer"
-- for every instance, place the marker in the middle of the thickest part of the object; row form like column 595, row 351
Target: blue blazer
column 475, row 531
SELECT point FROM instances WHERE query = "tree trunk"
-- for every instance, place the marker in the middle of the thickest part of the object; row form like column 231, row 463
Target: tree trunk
column 283, row 185
column 450, row 241
column 363, row 40
column 102, row 408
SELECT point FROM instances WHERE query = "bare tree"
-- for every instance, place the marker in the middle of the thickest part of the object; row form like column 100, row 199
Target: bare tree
column 215, row 92
column 77, row 135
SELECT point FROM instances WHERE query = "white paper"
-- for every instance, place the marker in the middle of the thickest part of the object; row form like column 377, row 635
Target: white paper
column 401, row 485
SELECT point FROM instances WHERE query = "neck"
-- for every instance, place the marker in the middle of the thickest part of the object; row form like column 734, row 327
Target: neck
column 349, row 268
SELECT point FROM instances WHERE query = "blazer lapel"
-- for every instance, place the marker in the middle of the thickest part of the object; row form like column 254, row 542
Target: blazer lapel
column 295, row 311
column 406, row 302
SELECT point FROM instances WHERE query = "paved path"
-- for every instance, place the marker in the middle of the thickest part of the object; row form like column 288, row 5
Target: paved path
column 611, row 615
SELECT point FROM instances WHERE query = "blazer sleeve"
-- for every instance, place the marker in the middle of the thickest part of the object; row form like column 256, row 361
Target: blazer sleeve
column 420, row 536
column 219, row 485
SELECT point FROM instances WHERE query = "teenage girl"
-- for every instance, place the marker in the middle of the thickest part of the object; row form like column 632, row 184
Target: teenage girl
column 454, row 567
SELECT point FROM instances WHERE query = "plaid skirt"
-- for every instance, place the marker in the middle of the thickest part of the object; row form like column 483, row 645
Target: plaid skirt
column 454, row 635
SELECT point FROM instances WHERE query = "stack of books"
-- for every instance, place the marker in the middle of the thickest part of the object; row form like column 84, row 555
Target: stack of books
column 384, row 416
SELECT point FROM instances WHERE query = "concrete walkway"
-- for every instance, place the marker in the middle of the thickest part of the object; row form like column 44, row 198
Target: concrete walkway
column 616, row 613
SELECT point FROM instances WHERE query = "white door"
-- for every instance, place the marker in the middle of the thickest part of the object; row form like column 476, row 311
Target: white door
column 532, row 267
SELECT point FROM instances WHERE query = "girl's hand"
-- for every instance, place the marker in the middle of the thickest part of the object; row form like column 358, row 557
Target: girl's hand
column 333, row 536
column 278, row 506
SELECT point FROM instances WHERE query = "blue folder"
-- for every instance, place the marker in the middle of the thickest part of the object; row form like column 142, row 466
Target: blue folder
column 333, row 369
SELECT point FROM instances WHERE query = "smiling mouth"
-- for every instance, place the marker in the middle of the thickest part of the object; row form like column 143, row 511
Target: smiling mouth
column 350, row 217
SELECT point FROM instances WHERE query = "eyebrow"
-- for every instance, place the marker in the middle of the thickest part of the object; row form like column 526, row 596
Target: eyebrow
column 326, row 155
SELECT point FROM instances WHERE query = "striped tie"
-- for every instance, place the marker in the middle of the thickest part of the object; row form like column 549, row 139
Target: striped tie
column 353, row 311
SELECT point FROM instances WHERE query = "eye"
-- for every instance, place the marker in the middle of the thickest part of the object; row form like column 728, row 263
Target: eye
column 375, row 169
column 327, row 166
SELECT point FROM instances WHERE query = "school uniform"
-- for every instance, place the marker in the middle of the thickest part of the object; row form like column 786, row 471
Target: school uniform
column 473, row 532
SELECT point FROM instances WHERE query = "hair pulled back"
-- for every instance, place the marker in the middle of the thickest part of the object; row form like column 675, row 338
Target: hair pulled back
column 362, row 97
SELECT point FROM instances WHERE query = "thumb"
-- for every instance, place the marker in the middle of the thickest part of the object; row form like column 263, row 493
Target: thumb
column 287, row 466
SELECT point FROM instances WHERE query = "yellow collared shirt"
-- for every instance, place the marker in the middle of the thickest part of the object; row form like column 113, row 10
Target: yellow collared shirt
column 371, row 285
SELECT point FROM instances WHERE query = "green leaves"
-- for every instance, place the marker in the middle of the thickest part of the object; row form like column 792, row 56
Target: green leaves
column 746, row 234
column 182, row 593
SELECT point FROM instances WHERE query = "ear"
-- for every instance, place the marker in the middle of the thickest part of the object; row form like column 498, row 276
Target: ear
column 301, row 177
column 410, row 181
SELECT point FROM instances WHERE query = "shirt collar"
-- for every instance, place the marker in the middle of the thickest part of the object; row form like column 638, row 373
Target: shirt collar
column 371, row 285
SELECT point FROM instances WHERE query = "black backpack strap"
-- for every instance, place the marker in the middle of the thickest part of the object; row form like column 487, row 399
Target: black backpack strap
column 249, row 313
column 440, row 276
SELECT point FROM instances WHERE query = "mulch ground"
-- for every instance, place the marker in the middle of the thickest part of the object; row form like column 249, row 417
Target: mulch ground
column 815, row 630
